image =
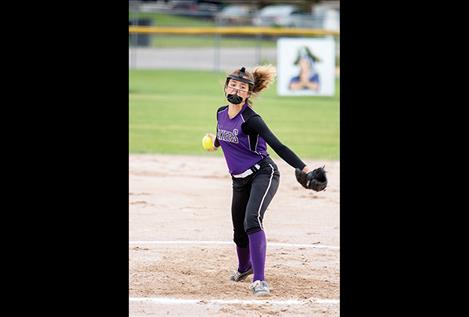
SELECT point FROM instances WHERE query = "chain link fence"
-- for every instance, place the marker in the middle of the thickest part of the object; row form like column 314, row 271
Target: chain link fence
column 218, row 51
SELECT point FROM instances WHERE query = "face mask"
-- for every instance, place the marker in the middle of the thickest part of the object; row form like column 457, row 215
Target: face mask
column 234, row 99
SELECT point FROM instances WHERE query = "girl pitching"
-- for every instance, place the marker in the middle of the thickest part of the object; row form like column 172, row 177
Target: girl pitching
column 243, row 135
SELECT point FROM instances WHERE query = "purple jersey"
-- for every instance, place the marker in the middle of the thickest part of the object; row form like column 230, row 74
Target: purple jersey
column 240, row 151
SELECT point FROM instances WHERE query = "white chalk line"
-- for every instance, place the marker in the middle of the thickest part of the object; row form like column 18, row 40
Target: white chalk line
column 269, row 244
column 169, row 300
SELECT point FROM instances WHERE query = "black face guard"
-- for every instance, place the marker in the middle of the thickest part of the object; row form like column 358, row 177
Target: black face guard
column 235, row 99
column 241, row 78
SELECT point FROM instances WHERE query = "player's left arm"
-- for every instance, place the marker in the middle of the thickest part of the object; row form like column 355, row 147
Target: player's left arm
column 216, row 143
column 256, row 125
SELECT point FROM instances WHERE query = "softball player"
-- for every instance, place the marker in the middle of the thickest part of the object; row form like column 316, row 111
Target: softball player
column 243, row 136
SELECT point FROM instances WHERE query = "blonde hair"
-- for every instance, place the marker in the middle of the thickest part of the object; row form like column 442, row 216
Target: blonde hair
column 262, row 76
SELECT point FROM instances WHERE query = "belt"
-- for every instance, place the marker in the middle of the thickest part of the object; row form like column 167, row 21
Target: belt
column 248, row 172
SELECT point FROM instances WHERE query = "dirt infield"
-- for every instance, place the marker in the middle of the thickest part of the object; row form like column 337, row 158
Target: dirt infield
column 181, row 251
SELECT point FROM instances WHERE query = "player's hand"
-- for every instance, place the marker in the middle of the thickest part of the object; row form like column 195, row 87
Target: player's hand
column 315, row 180
column 208, row 142
column 213, row 137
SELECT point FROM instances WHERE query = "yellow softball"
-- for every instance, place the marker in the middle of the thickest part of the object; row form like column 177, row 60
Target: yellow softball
column 207, row 143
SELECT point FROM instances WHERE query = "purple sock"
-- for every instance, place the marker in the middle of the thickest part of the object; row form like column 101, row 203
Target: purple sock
column 243, row 259
column 258, row 245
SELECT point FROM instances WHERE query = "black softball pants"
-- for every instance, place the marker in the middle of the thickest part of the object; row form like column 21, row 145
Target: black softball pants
column 251, row 197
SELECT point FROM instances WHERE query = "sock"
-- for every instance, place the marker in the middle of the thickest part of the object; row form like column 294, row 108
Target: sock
column 244, row 262
column 258, row 245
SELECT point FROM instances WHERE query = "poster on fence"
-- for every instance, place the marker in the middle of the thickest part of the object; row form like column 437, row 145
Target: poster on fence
column 306, row 67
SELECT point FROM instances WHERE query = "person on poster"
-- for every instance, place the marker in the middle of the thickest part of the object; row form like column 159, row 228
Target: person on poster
column 308, row 77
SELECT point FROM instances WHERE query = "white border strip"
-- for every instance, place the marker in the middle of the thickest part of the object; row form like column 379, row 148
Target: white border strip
column 262, row 201
column 168, row 300
column 273, row 244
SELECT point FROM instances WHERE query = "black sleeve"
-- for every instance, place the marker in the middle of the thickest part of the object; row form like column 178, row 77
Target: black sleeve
column 256, row 125
column 217, row 143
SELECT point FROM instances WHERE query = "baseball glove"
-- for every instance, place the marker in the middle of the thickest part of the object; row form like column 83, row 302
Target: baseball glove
column 315, row 180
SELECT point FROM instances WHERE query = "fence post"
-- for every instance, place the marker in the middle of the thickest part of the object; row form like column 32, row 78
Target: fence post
column 217, row 52
column 258, row 48
column 133, row 41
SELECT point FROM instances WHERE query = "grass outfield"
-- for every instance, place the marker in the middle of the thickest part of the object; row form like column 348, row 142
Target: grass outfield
column 161, row 19
column 171, row 110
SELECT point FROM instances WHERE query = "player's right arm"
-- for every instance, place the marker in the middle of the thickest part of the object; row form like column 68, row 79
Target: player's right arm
column 216, row 143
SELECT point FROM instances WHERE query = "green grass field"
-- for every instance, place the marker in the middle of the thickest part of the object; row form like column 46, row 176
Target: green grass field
column 171, row 110
column 161, row 19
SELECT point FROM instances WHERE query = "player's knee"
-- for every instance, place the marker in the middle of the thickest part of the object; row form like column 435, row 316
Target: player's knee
column 241, row 239
column 252, row 223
